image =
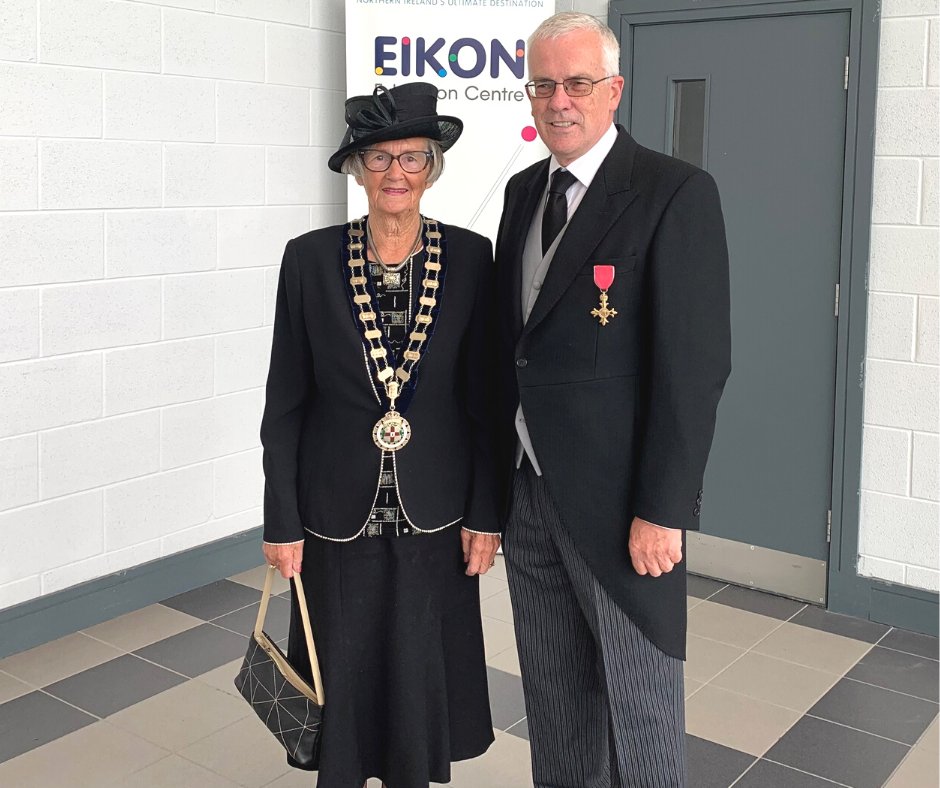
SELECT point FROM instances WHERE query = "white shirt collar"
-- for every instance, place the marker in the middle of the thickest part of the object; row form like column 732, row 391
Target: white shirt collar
column 585, row 167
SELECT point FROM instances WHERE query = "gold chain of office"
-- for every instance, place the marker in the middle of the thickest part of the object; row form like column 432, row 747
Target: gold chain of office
column 393, row 431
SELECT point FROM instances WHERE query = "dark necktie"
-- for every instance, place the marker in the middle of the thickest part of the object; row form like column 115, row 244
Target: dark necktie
column 556, row 207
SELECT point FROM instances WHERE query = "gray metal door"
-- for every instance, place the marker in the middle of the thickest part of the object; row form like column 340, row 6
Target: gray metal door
column 760, row 103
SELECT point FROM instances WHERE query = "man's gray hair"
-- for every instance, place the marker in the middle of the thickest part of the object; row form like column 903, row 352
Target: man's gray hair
column 352, row 164
column 574, row 22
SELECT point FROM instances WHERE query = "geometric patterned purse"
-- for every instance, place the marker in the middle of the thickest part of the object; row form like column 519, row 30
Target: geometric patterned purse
column 290, row 708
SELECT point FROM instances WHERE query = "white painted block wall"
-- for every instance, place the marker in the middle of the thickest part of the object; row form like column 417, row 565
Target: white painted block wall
column 899, row 533
column 154, row 159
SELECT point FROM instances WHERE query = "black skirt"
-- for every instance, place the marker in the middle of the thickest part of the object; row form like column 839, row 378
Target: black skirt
column 400, row 642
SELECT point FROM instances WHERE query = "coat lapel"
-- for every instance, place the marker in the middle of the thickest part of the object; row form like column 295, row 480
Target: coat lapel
column 605, row 200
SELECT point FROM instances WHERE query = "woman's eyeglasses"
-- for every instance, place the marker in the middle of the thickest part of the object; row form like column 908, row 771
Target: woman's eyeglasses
column 410, row 161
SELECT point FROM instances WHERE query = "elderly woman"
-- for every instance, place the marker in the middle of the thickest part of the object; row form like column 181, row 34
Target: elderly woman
column 377, row 457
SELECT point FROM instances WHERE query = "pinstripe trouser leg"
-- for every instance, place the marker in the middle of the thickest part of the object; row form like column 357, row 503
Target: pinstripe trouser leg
column 605, row 705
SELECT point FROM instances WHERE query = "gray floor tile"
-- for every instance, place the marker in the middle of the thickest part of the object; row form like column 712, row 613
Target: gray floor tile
column 847, row 626
column 764, row 774
column 35, row 719
column 276, row 623
column 506, row 702
column 837, row 753
column 912, row 643
column 115, row 685
column 876, row 710
column 703, row 587
column 520, row 729
column 758, row 602
column 214, row 600
column 196, row 650
column 712, row 765
column 899, row 671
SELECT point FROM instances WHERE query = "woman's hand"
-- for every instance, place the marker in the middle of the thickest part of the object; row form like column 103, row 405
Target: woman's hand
column 479, row 551
column 286, row 557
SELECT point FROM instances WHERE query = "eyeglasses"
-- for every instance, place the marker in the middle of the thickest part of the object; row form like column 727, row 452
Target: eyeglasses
column 575, row 86
column 410, row 161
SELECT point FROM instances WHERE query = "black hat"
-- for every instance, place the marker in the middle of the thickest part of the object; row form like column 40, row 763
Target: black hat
column 404, row 111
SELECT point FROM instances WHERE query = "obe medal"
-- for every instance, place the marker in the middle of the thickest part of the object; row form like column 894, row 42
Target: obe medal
column 392, row 432
column 604, row 278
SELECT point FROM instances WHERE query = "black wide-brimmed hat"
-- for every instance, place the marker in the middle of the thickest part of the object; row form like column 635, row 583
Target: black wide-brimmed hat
column 404, row 111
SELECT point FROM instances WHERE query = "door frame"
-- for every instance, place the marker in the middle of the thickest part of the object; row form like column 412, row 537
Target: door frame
column 847, row 591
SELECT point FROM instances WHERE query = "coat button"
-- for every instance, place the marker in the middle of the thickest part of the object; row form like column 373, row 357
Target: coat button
column 696, row 512
column 521, row 362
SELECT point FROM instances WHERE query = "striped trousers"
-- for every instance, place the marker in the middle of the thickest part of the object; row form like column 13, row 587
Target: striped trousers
column 605, row 706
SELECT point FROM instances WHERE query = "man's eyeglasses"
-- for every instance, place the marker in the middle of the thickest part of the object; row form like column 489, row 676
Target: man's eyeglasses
column 410, row 161
column 575, row 86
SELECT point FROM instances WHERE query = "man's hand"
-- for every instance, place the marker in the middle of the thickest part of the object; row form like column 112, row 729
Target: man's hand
column 654, row 550
column 479, row 551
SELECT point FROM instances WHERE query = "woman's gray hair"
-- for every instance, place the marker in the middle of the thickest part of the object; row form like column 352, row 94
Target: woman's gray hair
column 574, row 22
column 352, row 164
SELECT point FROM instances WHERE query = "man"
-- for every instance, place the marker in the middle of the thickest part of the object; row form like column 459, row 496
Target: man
column 615, row 347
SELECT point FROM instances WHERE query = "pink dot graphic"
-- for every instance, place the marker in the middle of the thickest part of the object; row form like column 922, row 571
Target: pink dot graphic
column 529, row 133
column 406, row 40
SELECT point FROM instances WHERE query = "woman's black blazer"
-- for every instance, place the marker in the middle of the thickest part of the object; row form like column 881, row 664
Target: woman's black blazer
column 321, row 466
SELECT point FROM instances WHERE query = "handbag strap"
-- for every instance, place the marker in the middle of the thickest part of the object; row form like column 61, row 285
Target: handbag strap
column 304, row 617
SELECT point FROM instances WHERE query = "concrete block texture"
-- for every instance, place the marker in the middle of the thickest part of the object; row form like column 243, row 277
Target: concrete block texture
column 85, row 456
column 930, row 192
column 48, row 101
column 206, row 45
column 100, row 174
column 919, row 577
column 901, row 52
column 899, row 529
column 925, row 478
column 891, row 8
column 239, row 483
column 300, row 175
column 100, row 314
column 158, row 107
column 270, row 294
column 19, row 326
column 98, row 566
column 19, row 174
column 311, row 58
column 928, row 331
column 51, row 247
column 61, row 531
column 896, row 191
column 328, row 15
column 891, row 321
column 212, row 530
column 251, row 237
column 886, row 455
column 906, row 122
column 141, row 510
column 18, row 29
column 46, row 393
column 933, row 53
column 165, row 373
column 197, row 304
column 901, row 395
column 904, row 260
column 327, row 117
column 327, row 215
column 241, row 360
column 296, row 12
column 263, row 114
column 19, row 471
column 20, row 591
column 203, row 175
column 100, row 33
column 210, row 429
column 192, row 5
column 160, row 242
column 891, row 571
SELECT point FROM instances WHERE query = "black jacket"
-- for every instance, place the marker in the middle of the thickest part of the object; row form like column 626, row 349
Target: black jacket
column 621, row 416
column 321, row 466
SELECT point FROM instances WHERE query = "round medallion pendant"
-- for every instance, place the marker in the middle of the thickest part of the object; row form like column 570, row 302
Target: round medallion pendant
column 391, row 432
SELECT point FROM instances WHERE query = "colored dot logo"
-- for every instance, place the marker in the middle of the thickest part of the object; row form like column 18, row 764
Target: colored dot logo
column 380, row 71
column 452, row 58
column 529, row 133
column 442, row 72
column 406, row 41
column 520, row 52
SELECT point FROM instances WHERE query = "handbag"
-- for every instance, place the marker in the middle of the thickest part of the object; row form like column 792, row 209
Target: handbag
column 284, row 701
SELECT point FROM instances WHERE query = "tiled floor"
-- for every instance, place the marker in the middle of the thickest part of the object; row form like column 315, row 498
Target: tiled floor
column 779, row 695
